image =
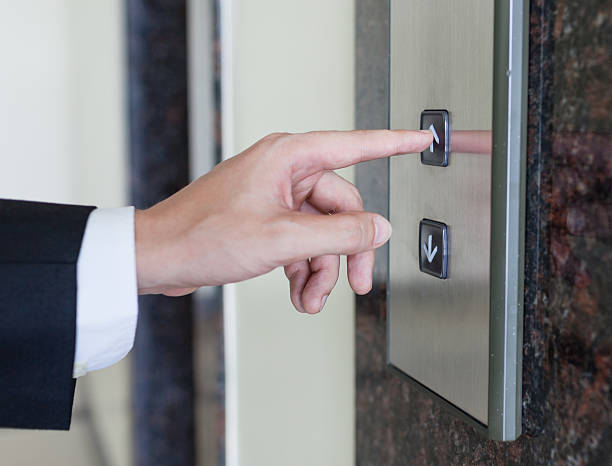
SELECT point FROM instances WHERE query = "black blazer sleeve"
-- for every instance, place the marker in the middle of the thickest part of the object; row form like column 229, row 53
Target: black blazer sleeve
column 39, row 248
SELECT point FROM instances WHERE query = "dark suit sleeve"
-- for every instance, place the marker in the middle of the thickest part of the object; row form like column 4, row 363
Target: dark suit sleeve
column 39, row 249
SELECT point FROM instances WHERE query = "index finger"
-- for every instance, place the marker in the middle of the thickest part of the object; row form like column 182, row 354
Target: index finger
column 330, row 150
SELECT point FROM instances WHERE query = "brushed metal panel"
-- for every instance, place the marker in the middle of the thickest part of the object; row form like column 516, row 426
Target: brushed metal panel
column 442, row 57
column 508, row 218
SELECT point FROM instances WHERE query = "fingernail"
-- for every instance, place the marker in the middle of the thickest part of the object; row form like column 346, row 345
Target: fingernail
column 425, row 131
column 323, row 299
column 382, row 230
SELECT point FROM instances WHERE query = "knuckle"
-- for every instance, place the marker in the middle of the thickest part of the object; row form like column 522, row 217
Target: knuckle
column 395, row 143
column 282, row 233
column 391, row 143
column 357, row 200
column 273, row 137
column 293, row 270
column 271, row 140
column 277, row 143
column 290, row 271
column 358, row 233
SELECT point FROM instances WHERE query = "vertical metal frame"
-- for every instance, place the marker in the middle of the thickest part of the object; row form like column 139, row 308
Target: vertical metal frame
column 508, row 218
column 507, row 228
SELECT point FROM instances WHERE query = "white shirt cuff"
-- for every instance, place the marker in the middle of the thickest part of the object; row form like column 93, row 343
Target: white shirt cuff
column 107, row 294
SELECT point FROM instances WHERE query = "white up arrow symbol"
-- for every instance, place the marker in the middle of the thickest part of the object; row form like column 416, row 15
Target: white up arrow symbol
column 430, row 254
column 437, row 139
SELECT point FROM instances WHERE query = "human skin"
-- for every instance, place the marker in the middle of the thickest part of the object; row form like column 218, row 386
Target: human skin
column 278, row 203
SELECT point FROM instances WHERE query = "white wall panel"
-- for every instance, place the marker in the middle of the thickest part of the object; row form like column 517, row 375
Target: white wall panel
column 287, row 66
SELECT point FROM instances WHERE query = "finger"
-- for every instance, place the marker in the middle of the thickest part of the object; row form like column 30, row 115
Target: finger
column 359, row 269
column 329, row 150
column 298, row 274
column 308, row 208
column 174, row 293
column 334, row 193
column 298, row 236
column 323, row 277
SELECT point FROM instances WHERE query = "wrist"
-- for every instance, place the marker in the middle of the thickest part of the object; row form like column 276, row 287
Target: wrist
column 145, row 258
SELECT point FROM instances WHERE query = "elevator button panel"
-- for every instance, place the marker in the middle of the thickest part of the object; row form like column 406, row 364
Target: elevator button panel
column 433, row 248
column 455, row 275
column 436, row 121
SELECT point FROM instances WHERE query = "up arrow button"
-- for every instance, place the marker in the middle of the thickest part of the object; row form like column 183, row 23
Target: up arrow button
column 436, row 138
column 438, row 122
column 433, row 248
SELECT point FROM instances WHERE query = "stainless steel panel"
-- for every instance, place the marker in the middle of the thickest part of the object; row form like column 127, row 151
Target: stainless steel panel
column 461, row 338
column 508, row 218
column 442, row 57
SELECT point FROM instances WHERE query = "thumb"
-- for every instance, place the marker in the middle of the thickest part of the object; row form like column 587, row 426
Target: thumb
column 312, row 235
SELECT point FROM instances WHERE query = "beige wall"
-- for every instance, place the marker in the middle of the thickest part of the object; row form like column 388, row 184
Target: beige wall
column 62, row 133
column 288, row 66
column 62, row 138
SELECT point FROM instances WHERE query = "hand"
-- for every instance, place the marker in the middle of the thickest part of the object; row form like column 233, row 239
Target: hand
column 278, row 203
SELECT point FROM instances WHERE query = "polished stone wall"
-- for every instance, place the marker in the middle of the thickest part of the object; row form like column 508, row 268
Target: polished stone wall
column 162, row 374
column 178, row 366
column 567, row 352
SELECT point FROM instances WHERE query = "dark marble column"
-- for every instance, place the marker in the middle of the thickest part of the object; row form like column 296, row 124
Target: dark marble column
column 371, row 106
column 567, row 352
column 162, row 391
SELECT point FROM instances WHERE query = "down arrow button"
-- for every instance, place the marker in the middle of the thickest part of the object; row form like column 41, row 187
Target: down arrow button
column 428, row 252
column 433, row 248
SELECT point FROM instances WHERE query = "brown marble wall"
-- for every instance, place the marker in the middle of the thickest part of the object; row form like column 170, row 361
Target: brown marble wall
column 567, row 353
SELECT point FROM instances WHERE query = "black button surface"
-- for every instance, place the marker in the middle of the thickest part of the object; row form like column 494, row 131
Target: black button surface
column 437, row 121
column 433, row 248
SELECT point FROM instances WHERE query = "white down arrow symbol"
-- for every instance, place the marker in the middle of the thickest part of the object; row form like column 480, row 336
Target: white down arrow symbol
column 428, row 252
column 432, row 128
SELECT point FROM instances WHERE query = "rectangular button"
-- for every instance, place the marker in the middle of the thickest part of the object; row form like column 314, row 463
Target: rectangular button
column 438, row 123
column 433, row 248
